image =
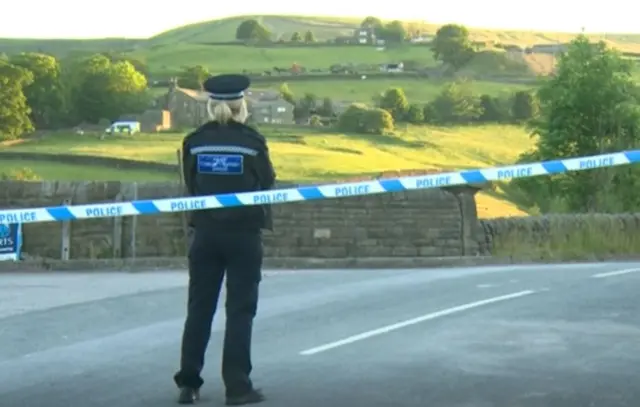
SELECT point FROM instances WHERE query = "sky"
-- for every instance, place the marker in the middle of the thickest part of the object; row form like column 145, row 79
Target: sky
column 141, row 19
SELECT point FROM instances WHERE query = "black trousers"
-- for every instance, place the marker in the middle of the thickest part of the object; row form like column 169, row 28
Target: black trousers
column 211, row 254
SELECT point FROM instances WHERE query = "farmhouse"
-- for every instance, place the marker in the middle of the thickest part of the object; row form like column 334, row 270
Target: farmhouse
column 188, row 107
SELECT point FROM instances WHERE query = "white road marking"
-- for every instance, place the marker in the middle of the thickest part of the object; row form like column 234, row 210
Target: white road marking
column 423, row 318
column 615, row 273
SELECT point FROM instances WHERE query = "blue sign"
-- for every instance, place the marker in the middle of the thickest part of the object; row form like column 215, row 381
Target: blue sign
column 10, row 241
column 220, row 164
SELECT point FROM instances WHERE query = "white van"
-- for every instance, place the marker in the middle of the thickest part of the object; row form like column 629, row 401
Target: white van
column 123, row 127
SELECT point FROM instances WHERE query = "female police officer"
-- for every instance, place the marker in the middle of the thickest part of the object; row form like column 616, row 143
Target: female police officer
column 220, row 157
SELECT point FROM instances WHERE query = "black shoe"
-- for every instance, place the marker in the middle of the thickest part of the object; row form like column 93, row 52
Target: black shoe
column 188, row 395
column 252, row 397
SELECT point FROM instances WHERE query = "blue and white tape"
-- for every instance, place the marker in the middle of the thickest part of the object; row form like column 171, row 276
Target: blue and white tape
column 313, row 193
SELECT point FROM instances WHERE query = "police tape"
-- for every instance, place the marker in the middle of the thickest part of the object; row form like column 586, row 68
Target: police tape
column 313, row 193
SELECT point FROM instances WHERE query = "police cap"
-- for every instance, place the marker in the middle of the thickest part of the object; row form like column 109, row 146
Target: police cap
column 227, row 87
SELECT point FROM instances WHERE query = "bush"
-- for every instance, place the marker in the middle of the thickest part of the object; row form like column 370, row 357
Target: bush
column 315, row 121
column 429, row 114
column 395, row 102
column 415, row 114
column 456, row 104
column 23, row 174
column 562, row 237
column 359, row 118
column 524, row 106
column 494, row 109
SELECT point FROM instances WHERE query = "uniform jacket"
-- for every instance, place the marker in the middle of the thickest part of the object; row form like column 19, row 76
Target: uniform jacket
column 228, row 158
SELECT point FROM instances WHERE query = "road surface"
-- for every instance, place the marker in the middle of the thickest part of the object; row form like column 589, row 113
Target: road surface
column 529, row 336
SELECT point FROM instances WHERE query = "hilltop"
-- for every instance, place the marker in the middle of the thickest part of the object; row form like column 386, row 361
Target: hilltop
column 324, row 28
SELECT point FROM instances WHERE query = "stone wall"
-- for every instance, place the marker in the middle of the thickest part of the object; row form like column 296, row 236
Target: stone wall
column 427, row 223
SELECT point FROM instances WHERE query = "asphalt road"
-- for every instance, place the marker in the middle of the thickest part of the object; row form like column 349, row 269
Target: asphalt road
column 534, row 336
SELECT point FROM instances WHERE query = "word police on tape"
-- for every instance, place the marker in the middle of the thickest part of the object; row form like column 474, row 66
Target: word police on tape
column 186, row 204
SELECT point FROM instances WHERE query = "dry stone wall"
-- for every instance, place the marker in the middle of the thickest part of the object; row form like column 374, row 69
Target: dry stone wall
column 427, row 223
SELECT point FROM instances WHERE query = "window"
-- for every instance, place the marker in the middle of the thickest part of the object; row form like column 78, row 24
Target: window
column 282, row 109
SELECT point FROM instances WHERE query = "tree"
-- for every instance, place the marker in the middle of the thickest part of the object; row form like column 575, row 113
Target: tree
column 415, row 114
column 140, row 64
column 44, row 94
column 494, row 109
column 287, row 94
column 456, row 104
column 193, row 77
column 377, row 121
column 372, row 22
column 524, row 106
column 14, row 110
column 359, row 118
column 309, row 37
column 103, row 89
column 394, row 32
column 395, row 102
column 305, row 107
column 452, row 45
column 327, row 109
column 252, row 30
column 590, row 106
column 296, row 37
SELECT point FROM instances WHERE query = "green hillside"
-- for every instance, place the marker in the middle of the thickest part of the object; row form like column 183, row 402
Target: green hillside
column 324, row 28
column 301, row 154
column 280, row 26
column 62, row 47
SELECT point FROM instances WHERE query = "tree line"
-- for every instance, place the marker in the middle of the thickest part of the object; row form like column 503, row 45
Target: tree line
column 456, row 104
column 38, row 91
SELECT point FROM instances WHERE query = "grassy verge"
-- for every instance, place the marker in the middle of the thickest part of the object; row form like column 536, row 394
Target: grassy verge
column 582, row 237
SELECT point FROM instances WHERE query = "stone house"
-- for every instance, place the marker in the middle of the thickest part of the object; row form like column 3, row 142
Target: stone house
column 188, row 107
column 365, row 35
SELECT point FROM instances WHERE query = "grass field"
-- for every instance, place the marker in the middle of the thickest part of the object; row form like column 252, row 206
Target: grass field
column 71, row 172
column 417, row 90
column 226, row 58
column 307, row 155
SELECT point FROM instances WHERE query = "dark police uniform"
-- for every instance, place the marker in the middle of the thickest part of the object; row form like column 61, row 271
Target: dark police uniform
column 219, row 159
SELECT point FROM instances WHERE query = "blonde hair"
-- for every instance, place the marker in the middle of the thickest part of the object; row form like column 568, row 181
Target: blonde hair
column 225, row 111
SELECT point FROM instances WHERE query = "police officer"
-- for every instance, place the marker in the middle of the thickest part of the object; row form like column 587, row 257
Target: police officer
column 224, row 156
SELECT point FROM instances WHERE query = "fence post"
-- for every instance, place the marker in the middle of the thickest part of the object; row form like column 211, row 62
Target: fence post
column 66, row 235
column 117, row 231
column 134, row 223
column 183, row 215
